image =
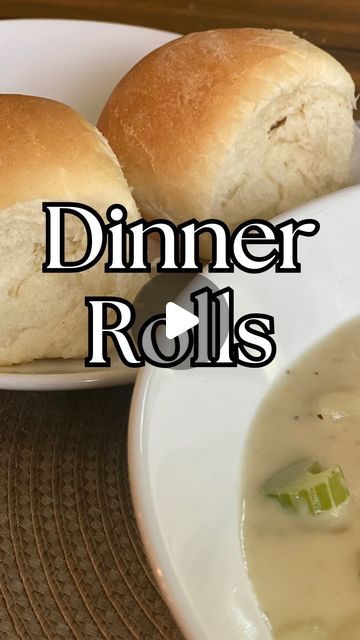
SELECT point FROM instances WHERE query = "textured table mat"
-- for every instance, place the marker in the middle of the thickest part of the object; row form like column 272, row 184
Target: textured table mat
column 71, row 561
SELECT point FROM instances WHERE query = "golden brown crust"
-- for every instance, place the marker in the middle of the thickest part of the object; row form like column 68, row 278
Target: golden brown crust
column 48, row 151
column 174, row 117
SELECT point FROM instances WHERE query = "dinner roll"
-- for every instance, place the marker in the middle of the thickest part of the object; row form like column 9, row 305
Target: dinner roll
column 232, row 123
column 48, row 152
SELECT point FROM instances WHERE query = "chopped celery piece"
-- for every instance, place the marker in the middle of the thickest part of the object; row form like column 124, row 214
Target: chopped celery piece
column 306, row 486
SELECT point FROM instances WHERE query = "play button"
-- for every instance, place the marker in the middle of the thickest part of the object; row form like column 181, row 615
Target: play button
column 178, row 320
column 158, row 297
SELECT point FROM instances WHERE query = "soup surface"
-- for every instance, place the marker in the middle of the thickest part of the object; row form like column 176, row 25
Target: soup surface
column 305, row 567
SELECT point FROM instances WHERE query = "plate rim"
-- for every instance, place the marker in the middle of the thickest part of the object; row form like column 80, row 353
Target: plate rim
column 81, row 21
column 66, row 381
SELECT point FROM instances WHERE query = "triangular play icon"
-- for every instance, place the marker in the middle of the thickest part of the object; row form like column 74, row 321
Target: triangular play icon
column 178, row 320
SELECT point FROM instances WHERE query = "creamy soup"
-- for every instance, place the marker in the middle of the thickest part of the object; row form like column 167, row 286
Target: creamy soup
column 303, row 556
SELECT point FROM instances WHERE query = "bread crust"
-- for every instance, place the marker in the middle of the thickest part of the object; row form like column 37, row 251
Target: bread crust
column 49, row 151
column 174, row 118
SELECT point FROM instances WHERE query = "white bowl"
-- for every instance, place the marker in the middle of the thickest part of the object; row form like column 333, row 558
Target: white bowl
column 188, row 429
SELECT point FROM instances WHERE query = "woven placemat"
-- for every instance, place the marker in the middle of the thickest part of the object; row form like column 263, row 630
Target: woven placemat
column 71, row 560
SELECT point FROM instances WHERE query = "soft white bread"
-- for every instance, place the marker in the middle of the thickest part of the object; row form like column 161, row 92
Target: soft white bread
column 232, row 123
column 49, row 152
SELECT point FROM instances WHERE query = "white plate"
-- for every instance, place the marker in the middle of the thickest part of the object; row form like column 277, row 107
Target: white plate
column 78, row 63
column 187, row 430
